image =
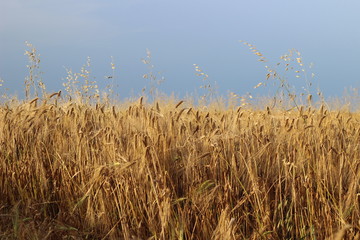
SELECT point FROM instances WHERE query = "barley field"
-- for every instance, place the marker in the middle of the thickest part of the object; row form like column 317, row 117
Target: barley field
column 172, row 170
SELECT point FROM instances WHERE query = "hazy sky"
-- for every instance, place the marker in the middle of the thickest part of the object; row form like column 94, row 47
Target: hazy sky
column 180, row 34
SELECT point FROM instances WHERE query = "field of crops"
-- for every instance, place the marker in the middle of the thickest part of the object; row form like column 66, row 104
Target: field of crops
column 172, row 170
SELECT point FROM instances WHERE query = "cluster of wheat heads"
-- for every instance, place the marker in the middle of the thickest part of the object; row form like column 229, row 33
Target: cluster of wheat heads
column 174, row 171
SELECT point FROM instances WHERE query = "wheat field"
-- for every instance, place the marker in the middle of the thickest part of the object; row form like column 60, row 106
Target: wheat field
column 79, row 165
column 171, row 170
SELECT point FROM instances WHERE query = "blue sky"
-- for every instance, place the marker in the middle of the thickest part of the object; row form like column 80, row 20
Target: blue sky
column 180, row 34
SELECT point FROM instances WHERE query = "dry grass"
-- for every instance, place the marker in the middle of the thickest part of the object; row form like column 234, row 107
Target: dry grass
column 174, row 171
